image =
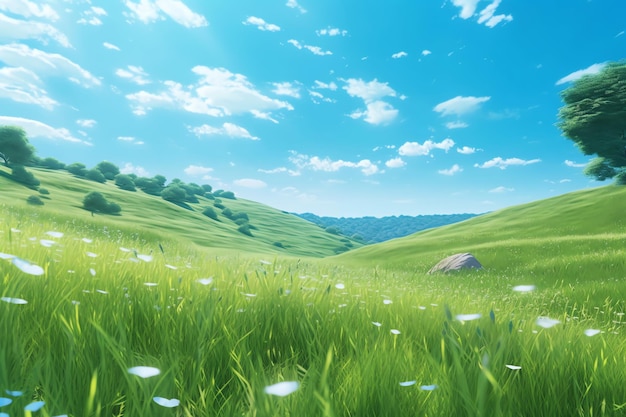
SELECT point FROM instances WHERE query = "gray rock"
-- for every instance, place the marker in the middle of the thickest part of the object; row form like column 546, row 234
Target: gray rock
column 456, row 263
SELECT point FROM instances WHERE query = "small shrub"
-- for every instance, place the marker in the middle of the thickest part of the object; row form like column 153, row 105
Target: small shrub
column 44, row 191
column 227, row 213
column 228, row 194
column 210, row 213
column 125, row 182
column 174, row 194
column 34, row 200
column 22, row 176
column 77, row 169
column 245, row 229
column 209, row 196
column 279, row 245
column 219, row 205
column 97, row 203
column 333, row 230
column 240, row 215
column 240, row 221
column 95, row 175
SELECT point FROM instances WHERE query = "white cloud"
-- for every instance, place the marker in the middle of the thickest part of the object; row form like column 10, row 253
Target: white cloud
column 426, row 52
column 378, row 111
column 197, row 170
column 130, row 139
column 590, row 70
column 487, row 17
column 468, row 7
column 456, row 125
column 331, row 32
column 294, row 5
column 574, row 164
column 498, row 162
column 501, row 189
column 250, row 183
column 328, row 165
column 395, row 163
column 37, row 129
column 466, row 150
column 400, row 54
column 330, row 86
column 455, row 169
column 24, row 86
column 28, row 8
column 134, row 74
column 90, row 16
column 417, row 149
column 460, row 105
column 286, row 89
column 139, row 171
column 218, row 93
column 151, row 10
column 43, row 63
column 227, row 129
column 88, row 123
column 111, row 46
column 280, row 170
column 314, row 49
column 11, row 28
column 261, row 24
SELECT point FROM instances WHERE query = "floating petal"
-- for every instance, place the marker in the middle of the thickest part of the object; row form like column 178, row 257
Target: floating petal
column 47, row 243
column 395, row 331
column 171, row 266
column 205, row 281
column 514, row 367
column 14, row 393
column 340, row 286
column 264, row 262
column 591, row 332
column 13, row 300
column 102, row 291
column 377, row 324
column 164, row 402
column 6, row 256
column 86, row 240
column 34, row 406
column 282, row 388
column 249, row 295
column 92, row 272
column 546, row 322
column 407, row 383
column 150, row 284
column 387, row 301
column 145, row 258
column 27, row 267
column 144, row 371
column 124, row 249
column 468, row 317
column 5, row 401
column 428, row 387
column 524, row 288
column 55, row 234
column 92, row 255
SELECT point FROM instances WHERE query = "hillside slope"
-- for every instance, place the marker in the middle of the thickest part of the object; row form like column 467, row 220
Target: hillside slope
column 144, row 212
column 588, row 227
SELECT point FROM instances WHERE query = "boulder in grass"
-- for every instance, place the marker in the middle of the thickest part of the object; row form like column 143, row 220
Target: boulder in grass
column 456, row 263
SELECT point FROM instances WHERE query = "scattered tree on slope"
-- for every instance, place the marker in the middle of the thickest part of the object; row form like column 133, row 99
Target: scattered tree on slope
column 14, row 146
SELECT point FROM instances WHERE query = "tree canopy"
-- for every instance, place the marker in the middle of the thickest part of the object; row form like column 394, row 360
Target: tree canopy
column 594, row 117
column 14, row 146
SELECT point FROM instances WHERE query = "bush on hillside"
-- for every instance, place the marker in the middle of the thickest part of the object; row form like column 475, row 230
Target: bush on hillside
column 44, row 191
column 34, row 200
column 21, row 175
column 125, row 182
column 209, row 196
column 219, row 205
column 239, row 222
column 228, row 213
column 333, row 230
column 95, row 175
column 174, row 194
column 279, row 245
column 108, row 169
column 51, row 163
column 245, row 229
column 95, row 202
column 240, row 215
column 210, row 213
column 77, row 169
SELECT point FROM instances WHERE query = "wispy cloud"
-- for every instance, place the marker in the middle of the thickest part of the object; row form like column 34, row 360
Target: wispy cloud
column 134, row 74
column 395, row 163
column 87, row 123
column 149, row 11
column 574, row 164
column 294, row 5
column 286, row 89
column 400, row 54
column 11, row 28
column 460, row 105
column 423, row 149
column 590, row 70
column 24, row 86
column 466, row 150
column 377, row 111
column 426, row 52
column 316, row 163
column 130, row 168
column 489, row 18
column 455, row 169
column 130, row 139
column 330, row 86
column 197, row 170
column 468, row 7
column 316, row 50
column 227, row 129
column 456, row 125
column 501, row 163
column 29, row 8
column 278, row 170
column 37, row 129
column 501, row 189
column 331, row 32
column 261, row 24
column 92, row 16
column 111, row 46
column 218, row 93
column 250, row 183
column 45, row 64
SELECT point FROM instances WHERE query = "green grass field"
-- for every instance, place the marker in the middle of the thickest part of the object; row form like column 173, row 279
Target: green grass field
column 366, row 333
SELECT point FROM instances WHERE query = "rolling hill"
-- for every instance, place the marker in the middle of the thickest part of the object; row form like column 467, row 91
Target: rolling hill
column 274, row 232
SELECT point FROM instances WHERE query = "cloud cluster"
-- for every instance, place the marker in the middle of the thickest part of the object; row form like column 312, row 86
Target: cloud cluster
column 316, row 50
column 11, row 28
column 149, row 11
column 486, row 16
column 501, row 163
column 316, row 163
column 37, row 129
column 261, row 24
column 24, row 86
column 455, row 169
column 423, row 149
column 377, row 111
column 227, row 129
column 331, row 32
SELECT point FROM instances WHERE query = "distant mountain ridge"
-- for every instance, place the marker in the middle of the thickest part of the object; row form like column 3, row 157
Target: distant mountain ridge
column 379, row 229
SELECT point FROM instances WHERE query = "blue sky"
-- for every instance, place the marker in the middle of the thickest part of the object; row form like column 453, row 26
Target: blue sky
column 340, row 108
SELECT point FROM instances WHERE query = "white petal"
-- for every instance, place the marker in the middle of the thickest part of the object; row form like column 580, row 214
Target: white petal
column 468, row 317
column 164, row 402
column 171, row 266
column 282, row 388
column 6, row 256
column 591, row 332
column 27, row 267
column 34, row 406
column 514, row 367
column 47, row 243
column 407, row 383
column 91, row 255
column 395, row 331
column 387, row 301
column 144, row 371
column 546, row 322
column 55, row 234
column 428, row 387
column 150, row 284
column 264, row 262
column 5, row 401
column 145, row 258
column 377, row 324
column 92, row 272
column 205, row 281
column 524, row 288
column 86, row 240
column 13, row 300
column 340, row 286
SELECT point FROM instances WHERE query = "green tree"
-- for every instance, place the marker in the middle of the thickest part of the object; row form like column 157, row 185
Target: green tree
column 594, row 117
column 51, row 163
column 125, row 182
column 21, row 175
column 210, row 213
column 108, row 169
column 95, row 175
column 97, row 203
column 77, row 168
column 174, row 194
column 14, row 146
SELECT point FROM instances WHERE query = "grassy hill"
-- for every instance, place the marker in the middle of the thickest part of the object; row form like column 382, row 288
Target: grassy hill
column 583, row 230
column 149, row 214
